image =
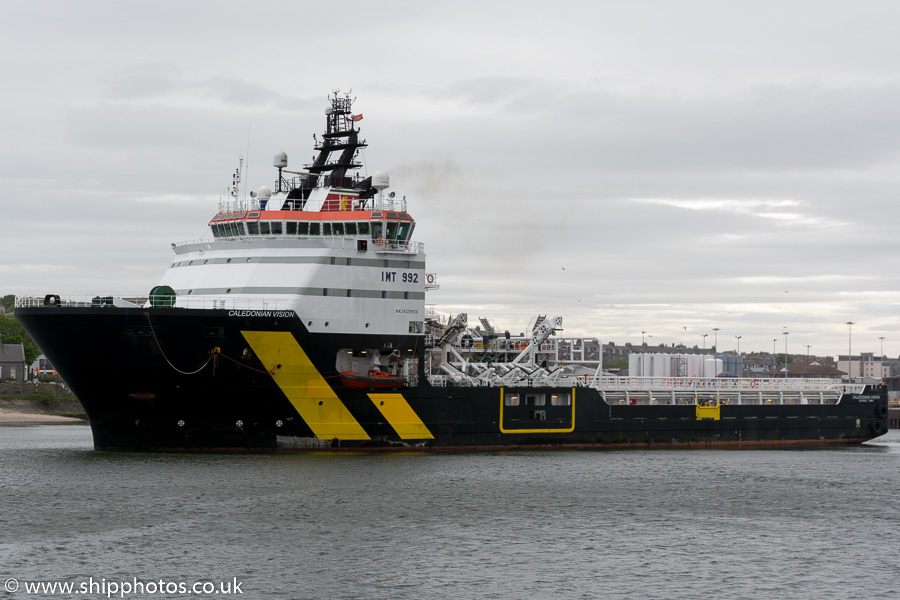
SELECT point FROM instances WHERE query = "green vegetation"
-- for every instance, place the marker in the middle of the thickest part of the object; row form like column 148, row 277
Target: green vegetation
column 622, row 363
column 8, row 302
column 13, row 333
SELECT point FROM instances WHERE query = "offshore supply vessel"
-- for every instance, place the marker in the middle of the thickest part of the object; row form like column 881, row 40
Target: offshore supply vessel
column 300, row 322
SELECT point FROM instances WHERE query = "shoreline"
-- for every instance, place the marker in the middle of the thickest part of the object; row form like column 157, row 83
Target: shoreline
column 38, row 404
column 15, row 418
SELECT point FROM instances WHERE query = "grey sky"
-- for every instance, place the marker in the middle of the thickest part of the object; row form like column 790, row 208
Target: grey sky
column 632, row 166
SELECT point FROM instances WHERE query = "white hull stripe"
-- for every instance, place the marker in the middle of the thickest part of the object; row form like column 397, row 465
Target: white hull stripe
column 340, row 261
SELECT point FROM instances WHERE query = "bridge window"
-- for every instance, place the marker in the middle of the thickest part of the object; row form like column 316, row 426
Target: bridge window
column 302, row 228
column 264, row 228
column 337, row 228
column 511, row 399
column 351, row 228
column 392, row 230
column 291, row 228
column 276, row 228
column 326, row 228
column 253, row 228
column 403, row 233
column 363, row 228
column 377, row 229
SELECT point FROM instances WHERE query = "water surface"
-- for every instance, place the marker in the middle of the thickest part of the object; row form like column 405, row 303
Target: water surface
column 569, row 524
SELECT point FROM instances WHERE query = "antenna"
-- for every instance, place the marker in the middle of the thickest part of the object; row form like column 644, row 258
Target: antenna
column 247, row 171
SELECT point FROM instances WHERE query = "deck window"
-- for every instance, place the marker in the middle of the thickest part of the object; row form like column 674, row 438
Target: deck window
column 326, row 228
column 511, row 400
column 363, row 228
column 276, row 228
column 351, row 228
column 337, row 228
column 560, row 399
column 239, row 228
column 253, row 228
column 313, row 229
column 264, row 228
column 302, row 228
column 291, row 228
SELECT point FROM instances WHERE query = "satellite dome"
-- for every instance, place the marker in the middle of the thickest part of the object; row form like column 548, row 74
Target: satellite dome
column 280, row 160
column 264, row 192
column 381, row 180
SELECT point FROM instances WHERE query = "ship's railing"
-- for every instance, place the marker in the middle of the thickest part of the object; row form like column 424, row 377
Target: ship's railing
column 669, row 390
column 385, row 202
column 254, row 303
column 335, row 243
column 745, row 384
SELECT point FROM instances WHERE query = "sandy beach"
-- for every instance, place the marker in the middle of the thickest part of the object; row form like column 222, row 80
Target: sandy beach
column 14, row 418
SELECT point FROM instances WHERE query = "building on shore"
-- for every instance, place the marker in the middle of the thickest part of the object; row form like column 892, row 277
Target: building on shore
column 12, row 362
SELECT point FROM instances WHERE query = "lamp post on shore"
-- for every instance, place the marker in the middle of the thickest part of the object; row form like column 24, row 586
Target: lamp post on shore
column 807, row 360
column 703, row 357
column 774, row 362
column 785, row 354
column 739, row 344
column 882, row 346
column 849, row 351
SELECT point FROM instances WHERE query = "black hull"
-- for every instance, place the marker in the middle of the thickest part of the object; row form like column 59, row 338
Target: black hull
column 129, row 368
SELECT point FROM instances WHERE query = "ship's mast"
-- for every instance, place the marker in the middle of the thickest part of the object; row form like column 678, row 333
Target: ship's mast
column 341, row 135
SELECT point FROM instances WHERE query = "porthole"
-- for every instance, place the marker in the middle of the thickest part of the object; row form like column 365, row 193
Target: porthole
column 205, row 261
column 228, row 291
column 228, row 261
column 248, row 260
column 326, row 323
column 367, row 325
column 190, row 292
column 190, row 263
column 310, row 323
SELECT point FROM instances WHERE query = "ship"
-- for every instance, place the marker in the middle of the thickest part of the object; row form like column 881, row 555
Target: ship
column 299, row 322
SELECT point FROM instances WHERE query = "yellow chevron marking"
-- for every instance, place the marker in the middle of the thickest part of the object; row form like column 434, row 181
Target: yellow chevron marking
column 304, row 386
column 401, row 416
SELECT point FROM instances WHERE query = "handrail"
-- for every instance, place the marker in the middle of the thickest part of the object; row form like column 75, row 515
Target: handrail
column 743, row 384
column 337, row 243
column 254, row 303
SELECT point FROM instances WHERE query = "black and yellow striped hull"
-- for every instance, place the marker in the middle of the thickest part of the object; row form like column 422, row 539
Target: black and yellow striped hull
column 169, row 378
